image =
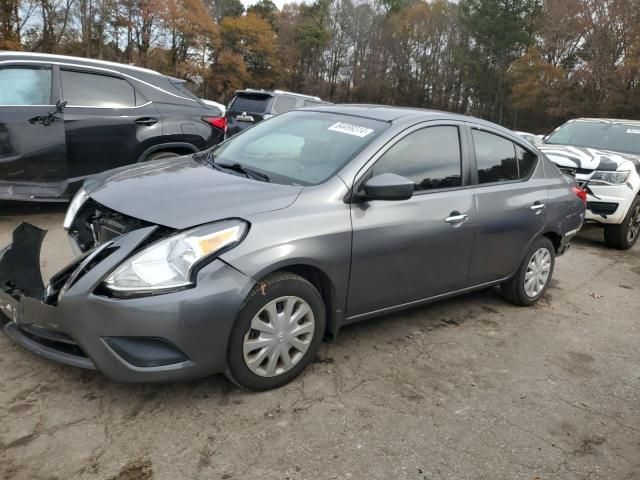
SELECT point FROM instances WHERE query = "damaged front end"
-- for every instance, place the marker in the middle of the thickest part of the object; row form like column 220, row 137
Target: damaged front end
column 78, row 321
column 52, row 321
column 24, row 296
column 94, row 224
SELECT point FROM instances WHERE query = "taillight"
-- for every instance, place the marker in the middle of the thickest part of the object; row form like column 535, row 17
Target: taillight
column 218, row 122
column 580, row 193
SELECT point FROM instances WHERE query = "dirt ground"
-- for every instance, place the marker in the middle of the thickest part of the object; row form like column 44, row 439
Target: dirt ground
column 471, row 388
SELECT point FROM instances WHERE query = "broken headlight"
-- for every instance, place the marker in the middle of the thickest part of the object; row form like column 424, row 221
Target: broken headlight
column 169, row 263
column 609, row 178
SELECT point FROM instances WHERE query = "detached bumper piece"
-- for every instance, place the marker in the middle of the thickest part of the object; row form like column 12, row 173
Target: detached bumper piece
column 20, row 285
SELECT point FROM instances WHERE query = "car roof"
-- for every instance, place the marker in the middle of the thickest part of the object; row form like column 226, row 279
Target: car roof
column 392, row 114
column 607, row 120
column 132, row 70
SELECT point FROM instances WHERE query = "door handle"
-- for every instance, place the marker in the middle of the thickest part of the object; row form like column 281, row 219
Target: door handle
column 537, row 207
column 146, row 121
column 456, row 218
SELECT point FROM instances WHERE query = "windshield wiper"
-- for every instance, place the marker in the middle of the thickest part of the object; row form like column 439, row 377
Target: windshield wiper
column 238, row 167
column 210, row 158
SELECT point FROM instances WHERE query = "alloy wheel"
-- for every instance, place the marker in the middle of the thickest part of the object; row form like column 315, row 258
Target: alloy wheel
column 279, row 336
column 537, row 273
column 634, row 225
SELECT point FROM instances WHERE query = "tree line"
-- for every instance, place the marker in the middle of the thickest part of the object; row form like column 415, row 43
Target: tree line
column 527, row 64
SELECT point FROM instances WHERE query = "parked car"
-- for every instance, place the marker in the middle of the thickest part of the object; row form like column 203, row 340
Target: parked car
column 530, row 137
column 65, row 118
column 262, row 246
column 604, row 156
column 250, row 106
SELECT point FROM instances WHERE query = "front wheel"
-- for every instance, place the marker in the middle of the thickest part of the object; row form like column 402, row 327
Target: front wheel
column 625, row 235
column 531, row 280
column 277, row 333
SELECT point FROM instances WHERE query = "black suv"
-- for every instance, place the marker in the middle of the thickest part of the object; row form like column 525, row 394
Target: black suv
column 250, row 106
column 65, row 118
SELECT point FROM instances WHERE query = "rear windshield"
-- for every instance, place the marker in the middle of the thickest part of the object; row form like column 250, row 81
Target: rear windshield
column 618, row 137
column 252, row 103
column 300, row 148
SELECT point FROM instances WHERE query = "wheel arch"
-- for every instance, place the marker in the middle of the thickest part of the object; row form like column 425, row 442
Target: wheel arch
column 325, row 286
column 181, row 148
column 555, row 238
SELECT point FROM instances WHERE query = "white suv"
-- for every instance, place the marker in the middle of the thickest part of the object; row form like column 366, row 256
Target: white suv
column 604, row 156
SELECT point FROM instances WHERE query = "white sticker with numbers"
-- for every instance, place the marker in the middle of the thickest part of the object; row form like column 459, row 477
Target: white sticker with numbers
column 635, row 131
column 350, row 129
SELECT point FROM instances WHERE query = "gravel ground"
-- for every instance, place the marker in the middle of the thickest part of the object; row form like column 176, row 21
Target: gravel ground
column 471, row 388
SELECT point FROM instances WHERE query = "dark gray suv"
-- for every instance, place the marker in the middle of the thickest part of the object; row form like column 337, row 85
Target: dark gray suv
column 242, row 258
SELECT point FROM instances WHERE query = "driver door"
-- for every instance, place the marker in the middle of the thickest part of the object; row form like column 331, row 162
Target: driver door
column 409, row 250
column 33, row 161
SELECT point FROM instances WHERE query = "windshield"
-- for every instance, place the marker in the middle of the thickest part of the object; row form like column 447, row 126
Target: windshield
column 301, row 148
column 618, row 137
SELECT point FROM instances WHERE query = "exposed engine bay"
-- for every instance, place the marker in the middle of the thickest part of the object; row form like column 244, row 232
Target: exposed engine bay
column 96, row 224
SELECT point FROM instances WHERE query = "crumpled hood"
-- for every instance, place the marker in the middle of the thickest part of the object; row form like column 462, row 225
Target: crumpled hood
column 590, row 158
column 182, row 192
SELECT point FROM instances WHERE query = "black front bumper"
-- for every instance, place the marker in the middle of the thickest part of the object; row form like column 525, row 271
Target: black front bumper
column 165, row 337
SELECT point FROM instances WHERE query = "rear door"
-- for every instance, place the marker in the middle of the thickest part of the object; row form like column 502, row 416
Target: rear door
column 511, row 199
column 405, row 251
column 105, row 121
column 247, row 109
column 32, row 142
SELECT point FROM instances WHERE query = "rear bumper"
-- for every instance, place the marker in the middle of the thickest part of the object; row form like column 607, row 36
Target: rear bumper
column 167, row 337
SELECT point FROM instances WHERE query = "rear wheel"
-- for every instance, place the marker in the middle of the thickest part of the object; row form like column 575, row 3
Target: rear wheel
column 624, row 235
column 531, row 280
column 276, row 334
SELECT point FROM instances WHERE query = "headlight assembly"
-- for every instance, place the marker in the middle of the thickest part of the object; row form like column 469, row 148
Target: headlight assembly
column 609, row 178
column 168, row 264
column 75, row 205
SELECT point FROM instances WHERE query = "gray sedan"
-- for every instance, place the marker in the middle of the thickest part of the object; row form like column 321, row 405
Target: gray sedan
column 241, row 259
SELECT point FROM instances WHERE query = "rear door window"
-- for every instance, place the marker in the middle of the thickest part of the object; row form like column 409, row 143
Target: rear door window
column 495, row 158
column 81, row 89
column 25, row 86
column 430, row 157
column 250, row 103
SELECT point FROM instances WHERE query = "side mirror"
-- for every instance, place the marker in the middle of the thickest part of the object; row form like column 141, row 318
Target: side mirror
column 388, row 186
column 60, row 106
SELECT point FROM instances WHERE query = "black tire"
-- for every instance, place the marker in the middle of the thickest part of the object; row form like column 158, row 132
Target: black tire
column 271, row 288
column 625, row 235
column 160, row 156
column 514, row 288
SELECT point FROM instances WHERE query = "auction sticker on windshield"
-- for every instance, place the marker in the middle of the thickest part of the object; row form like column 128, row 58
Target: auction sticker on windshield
column 350, row 129
column 634, row 131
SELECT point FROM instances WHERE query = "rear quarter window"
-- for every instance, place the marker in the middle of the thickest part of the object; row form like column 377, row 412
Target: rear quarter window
column 82, row 89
